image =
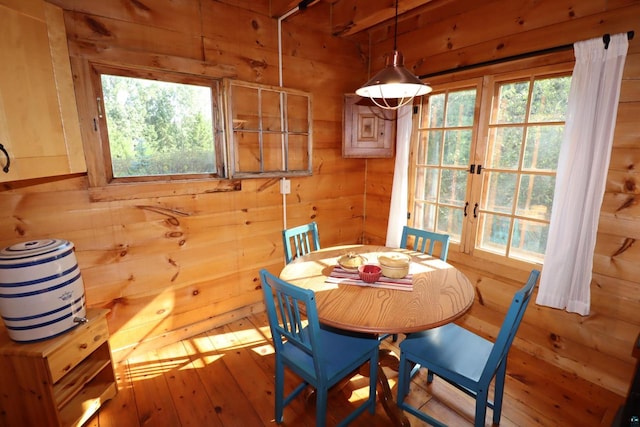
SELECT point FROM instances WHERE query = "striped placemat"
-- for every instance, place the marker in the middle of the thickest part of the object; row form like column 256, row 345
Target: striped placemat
column 344, row 277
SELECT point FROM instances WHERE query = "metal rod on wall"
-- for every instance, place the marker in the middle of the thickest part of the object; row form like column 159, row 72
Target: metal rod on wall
column 606, row 38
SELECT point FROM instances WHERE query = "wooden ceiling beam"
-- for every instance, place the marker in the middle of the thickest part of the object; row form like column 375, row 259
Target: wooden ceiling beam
column 353, row 16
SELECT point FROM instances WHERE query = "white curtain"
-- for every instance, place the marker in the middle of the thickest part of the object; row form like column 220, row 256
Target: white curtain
column 582, row 171
column 399, row 193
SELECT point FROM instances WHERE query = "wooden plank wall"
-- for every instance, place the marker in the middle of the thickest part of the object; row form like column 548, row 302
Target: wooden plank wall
column 170, row 267
column 596, row 347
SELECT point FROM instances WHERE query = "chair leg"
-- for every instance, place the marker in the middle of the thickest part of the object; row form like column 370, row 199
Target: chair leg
column 279, row 386
column 321, row 406
column 499, row 392
column 481, row 407
column 373, row 382
column 404, row 378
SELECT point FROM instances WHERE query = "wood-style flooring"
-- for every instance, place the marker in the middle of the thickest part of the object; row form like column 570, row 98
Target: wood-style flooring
column 225, row 377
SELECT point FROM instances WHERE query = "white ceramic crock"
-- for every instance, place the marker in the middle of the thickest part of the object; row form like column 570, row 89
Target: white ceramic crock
column 41, row 289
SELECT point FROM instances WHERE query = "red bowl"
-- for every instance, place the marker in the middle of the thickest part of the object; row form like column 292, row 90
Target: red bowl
column 369, row 273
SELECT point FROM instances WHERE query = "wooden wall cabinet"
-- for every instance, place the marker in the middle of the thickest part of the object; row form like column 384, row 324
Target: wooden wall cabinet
column 368, row 130
column 60, row 381
column 39, row 126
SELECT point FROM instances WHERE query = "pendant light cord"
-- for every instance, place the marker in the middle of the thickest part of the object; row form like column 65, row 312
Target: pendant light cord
column 395, row 31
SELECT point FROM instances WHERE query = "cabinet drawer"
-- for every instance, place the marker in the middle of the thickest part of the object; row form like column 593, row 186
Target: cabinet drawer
column 81, row 343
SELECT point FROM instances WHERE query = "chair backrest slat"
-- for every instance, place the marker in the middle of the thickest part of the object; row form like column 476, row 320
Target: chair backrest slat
column 300, row 240
column 510, row 326
column 422, row 238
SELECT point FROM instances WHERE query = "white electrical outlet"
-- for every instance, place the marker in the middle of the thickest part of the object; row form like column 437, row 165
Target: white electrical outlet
column 285, row 186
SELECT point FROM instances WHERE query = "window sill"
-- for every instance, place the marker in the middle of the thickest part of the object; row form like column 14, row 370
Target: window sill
column 144, row 190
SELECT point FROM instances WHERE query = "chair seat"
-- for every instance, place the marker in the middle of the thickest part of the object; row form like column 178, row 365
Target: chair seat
column 450, row 349
column 336, row 351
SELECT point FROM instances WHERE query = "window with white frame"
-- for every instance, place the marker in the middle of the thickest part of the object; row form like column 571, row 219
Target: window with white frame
column 484, row 161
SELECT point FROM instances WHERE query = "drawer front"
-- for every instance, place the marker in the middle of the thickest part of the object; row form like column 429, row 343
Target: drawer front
column 80, row 344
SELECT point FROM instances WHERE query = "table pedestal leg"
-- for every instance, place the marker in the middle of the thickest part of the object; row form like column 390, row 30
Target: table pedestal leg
column 397, row 416
column 386, row 358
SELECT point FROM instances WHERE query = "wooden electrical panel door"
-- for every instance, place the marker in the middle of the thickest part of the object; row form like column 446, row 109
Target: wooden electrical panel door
column 368, row 130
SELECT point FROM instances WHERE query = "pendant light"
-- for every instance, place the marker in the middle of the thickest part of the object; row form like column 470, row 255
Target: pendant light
column 394, row 85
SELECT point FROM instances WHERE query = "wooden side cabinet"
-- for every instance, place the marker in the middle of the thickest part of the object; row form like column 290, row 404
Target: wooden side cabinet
column 60, row 381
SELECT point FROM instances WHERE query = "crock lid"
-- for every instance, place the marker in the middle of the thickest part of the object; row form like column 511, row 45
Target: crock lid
column 33, row 250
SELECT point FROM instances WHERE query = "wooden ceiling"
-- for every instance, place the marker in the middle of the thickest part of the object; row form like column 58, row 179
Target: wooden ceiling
column 351, row 17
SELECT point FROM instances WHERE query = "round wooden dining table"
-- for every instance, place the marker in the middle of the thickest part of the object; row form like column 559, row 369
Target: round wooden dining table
column 439, row 295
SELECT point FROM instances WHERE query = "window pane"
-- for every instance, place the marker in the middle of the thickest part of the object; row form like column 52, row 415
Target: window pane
column 550, row 98
column 494, row 233
column 500, row 192
column 536, row 196
column 529, row 240
column 298, row 114
column 453, row 186
column 457, row 147
column 450, row 222
column 245, row 107
column 246, row 150
column 270, row 111
column 542, row 148
column 461, row 108
column 512, row 102
column 272, row 152
column 298, row 152
column 504, row 146
column 158, row 128
column 434, row 112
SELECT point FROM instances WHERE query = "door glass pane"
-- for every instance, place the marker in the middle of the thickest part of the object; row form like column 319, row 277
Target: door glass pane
column 535, row 196
column 430, row 147
column 461, row 108
column 494, row 233
column 450, row 222
column 512, row 102
column 453, row 187
column 425, row 216
column 549, row 99
column 434, row 112
column 457, row 147
column 529, row 240
column 504, row 146
column 427, row 184
column 542, row 147
column 500, row 191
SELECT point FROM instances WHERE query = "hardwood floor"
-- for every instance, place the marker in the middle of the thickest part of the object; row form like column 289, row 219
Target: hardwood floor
column 225, row 378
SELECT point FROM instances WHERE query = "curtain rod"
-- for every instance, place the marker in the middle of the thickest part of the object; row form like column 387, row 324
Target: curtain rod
column 606, row 38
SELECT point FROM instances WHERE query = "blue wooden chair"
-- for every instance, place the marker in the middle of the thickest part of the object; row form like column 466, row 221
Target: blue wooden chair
column 300, row 240
column 425, row 241
column 464, row 359
column 321, row 358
